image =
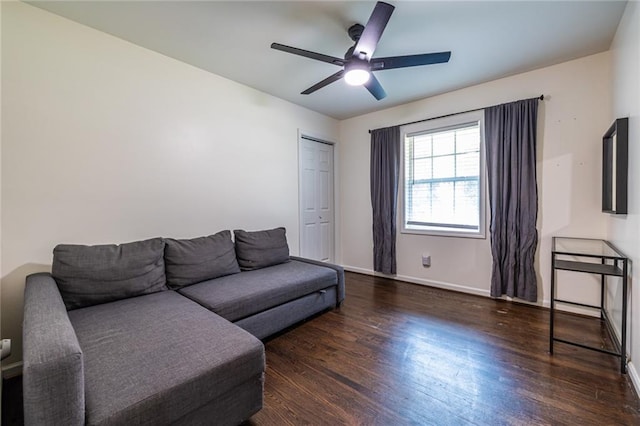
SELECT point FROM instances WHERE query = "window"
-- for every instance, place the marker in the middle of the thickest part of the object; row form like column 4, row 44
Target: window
column 444, row 176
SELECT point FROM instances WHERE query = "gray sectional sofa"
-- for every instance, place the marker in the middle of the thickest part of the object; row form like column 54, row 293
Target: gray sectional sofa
column 163, row 331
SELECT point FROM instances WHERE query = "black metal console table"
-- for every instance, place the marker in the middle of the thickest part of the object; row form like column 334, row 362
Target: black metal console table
column 591, row 256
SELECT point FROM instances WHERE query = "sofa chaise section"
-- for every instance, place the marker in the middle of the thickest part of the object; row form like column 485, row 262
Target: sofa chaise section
column 108, row 343
column 149, row 360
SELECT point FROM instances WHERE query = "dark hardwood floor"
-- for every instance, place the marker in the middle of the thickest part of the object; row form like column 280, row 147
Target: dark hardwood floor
column 398, row 353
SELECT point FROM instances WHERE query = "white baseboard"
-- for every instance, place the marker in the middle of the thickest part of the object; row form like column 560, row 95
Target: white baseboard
column 469, row 290
column 633, row 375
column 365, row 271
column 573, row 309
column 12, row 370
column 421, row 281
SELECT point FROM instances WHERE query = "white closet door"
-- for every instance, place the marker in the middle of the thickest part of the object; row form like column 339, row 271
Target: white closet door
column 316, row 200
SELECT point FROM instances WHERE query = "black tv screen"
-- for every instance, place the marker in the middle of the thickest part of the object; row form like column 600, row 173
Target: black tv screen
column 615, row 165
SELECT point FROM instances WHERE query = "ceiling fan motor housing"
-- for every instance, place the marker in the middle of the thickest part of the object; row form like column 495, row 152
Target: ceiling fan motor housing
column 355, row 31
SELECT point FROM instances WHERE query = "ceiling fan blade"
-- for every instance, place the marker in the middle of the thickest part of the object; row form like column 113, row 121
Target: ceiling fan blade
column 375, row 88
column 332, row 78
column 308, row 54
column 373, row 30
column 392, row 62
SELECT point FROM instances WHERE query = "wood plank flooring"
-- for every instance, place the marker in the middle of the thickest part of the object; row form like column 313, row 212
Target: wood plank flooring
column 399, row 354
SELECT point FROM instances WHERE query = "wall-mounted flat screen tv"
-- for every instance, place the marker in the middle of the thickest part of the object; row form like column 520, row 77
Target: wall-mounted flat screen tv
column 615, row 167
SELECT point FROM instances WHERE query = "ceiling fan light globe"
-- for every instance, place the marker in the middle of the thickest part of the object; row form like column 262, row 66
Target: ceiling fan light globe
column 357, row 77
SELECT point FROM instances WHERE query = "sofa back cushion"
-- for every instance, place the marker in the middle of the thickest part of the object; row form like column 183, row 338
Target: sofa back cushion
column 259, row 249
column 199, row 259
column 89, row 275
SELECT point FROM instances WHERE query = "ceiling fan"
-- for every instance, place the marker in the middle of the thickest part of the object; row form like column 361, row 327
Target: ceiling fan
column 358, row 63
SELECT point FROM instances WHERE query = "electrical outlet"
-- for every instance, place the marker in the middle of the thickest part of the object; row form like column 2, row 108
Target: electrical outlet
column 426, row 260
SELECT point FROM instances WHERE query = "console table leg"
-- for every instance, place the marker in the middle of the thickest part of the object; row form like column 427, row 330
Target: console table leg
column 623, row 343
column 552, row 301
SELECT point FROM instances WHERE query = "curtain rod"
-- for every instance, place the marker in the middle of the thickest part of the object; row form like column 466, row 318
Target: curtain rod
column 541, row 97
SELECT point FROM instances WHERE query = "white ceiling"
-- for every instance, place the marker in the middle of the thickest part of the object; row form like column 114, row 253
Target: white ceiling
column 488, row 40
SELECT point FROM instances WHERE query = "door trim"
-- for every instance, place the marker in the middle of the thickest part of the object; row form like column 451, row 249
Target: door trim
column 303, row 134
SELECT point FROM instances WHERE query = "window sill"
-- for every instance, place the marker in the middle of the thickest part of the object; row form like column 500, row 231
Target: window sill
column 443, row 233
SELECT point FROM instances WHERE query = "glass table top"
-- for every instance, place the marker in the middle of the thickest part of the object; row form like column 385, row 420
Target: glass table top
column 585, row 246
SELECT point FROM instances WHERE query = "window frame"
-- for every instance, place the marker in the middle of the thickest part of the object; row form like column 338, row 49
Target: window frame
column 429, row 126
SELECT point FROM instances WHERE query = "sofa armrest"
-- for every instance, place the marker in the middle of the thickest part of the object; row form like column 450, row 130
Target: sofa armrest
column 339, row 270
column 53, row 370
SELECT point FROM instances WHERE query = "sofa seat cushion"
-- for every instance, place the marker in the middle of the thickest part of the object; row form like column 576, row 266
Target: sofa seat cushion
column 238, row 296
column 154, row 358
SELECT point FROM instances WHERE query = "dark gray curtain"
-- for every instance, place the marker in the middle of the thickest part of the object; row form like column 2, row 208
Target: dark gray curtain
column 510, row 132
column 385, row 169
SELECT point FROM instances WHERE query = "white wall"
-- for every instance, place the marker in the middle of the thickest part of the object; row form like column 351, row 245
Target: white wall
column 624, row 231
column 572, row 119
column 104, row 141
